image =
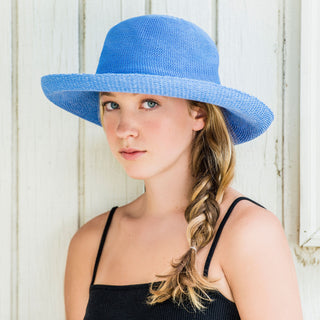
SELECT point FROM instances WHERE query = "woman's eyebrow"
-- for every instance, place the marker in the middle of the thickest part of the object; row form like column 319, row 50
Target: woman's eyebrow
column 109, row 94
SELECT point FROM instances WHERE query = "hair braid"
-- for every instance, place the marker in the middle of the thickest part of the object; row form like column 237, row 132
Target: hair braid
column 212, row 166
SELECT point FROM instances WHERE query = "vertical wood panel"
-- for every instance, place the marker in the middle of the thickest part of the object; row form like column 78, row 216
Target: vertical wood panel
column 7, row 182
column 201, row 12
column 309, row 127
column 105, row 182
column 307, row 260
column 134, row 8
column 48, row 156
column 250, row 60
column 309, row 285
column 291, row 116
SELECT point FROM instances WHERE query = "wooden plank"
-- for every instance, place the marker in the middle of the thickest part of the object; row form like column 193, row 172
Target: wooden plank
column 134, row 8
column 106, row 183
column 201, row 12
column 291, row 117
column 250, row 60
column 310, row 132
column 7, row 166
column 304, row 182
column 308, row 276
column 48, row 156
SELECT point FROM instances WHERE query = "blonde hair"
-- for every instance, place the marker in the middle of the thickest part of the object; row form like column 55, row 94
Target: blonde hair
column 212, row 167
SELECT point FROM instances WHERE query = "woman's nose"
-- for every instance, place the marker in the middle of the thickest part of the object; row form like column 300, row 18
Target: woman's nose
column 127, row 125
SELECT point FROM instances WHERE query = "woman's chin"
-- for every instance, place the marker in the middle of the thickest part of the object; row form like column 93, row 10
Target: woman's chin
column 136, row 175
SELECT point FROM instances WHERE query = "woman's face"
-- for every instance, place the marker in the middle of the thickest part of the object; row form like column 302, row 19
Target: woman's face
column 159, row 128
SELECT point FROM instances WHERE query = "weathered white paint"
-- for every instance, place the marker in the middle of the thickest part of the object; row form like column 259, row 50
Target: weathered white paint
column 200, row 12
column 307, row 259
column 249, row 49
column 309, row 118
column 7, row 166
column 291, row 134
column 47, row 158
column 57, row 171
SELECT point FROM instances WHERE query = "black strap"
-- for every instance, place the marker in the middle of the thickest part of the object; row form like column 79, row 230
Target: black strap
column 103, row 238
column 217, row 236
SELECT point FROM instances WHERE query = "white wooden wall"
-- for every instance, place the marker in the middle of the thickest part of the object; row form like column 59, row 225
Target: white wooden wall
column 57, row 171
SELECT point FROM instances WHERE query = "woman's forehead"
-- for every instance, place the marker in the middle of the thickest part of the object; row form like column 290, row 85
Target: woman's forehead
column 114, row 94
column 137, row 95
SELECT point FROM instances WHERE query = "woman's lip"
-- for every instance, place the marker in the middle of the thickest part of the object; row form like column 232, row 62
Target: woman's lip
column 129, row 150
column 132, row 155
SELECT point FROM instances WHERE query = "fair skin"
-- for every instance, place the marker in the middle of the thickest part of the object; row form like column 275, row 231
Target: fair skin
column 252, row 263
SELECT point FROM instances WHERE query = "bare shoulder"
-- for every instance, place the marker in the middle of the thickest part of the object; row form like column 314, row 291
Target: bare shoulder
column 252, row 221
column 250, row 228
column 248, row 221
column 258, row 265
column 91, row 231
column 82, row 251
column 85, row 242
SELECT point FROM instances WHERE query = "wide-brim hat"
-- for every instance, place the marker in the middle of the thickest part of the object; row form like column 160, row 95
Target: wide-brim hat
column 159, row 55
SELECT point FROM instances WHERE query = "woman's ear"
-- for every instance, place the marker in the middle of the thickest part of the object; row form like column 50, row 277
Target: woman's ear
column 199, row 116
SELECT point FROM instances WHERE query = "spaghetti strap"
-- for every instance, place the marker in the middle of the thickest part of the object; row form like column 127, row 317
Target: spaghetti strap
column 217, row 236
column 103, row 238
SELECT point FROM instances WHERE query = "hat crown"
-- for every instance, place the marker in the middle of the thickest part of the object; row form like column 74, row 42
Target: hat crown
column 160, row 45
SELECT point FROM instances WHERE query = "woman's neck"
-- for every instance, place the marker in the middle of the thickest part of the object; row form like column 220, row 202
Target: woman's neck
column 167, row 193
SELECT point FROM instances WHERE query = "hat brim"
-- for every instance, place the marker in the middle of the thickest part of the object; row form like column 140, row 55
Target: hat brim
column 247, row 117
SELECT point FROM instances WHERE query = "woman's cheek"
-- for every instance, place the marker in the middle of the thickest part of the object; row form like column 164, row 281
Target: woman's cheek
column 111, row 135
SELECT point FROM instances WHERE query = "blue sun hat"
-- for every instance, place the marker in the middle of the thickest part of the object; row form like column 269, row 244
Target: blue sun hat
column 159, row 55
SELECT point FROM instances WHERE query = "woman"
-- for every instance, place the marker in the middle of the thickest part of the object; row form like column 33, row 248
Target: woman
column 169, row 122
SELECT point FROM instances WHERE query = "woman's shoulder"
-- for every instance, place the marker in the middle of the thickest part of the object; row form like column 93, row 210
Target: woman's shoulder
column 250, row 231
column 248, row 211
column 248, row 214
column 257, row 260
column 89, row 234
column 84, row 244
column 82, row 251
column 252, row 221
column 248, row 228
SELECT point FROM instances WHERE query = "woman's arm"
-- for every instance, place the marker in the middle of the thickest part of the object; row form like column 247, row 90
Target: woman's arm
column 260, row 269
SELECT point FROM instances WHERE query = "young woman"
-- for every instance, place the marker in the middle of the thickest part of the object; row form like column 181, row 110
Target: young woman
column 191, row 246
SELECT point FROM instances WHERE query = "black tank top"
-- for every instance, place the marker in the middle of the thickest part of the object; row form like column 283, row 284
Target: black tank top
column 127, row 302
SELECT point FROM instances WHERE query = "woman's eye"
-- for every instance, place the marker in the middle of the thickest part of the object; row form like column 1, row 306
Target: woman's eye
column 150, row 104
column 110, row 105
column 147, row 104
